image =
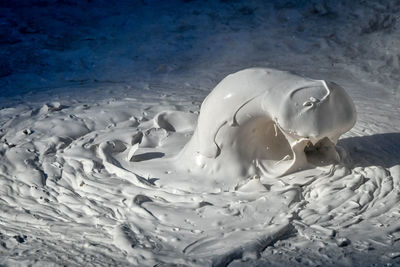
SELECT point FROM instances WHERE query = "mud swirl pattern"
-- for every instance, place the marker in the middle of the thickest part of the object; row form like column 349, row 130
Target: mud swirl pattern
column 85, row 173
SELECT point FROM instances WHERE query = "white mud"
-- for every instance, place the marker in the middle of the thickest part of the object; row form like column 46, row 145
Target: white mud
column 99, row 183
column 267, row 122
column 97, row 100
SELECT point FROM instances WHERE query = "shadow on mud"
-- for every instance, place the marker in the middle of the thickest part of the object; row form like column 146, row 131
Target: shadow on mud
column 373, row 150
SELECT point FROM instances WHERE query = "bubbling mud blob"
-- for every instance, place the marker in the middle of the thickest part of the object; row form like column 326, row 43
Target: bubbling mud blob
column 267, row 122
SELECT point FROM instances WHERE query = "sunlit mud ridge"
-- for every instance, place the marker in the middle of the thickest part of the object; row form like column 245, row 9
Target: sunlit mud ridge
column 108, row 184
